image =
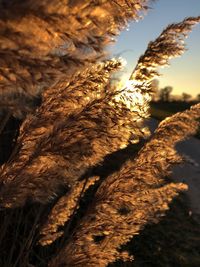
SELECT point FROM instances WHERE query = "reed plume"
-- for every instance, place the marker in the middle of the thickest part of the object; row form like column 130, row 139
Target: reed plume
column 106, row 121
column 168, row 45
column 138, row 90
column 63, row 210
column 80, row 120
column 54, row 153
column 130, row 198
column 44, row 41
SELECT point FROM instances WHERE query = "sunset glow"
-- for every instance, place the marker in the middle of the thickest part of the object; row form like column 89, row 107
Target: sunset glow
column 183, row 74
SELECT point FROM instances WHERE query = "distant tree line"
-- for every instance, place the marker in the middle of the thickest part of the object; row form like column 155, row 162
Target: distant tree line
column 165, row 94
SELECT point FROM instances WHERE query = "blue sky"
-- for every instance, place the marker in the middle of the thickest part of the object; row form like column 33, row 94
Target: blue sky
column 184, row 72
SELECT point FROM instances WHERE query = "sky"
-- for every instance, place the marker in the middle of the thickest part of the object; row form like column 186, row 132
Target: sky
column 184, row 72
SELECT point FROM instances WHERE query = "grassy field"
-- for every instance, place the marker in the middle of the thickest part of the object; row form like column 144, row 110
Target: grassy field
column 161, row 110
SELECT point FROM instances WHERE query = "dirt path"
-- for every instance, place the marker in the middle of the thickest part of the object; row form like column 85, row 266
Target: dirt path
column 188, row 173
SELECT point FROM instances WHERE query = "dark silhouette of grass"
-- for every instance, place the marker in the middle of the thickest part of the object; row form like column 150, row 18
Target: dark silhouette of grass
column 8, row 137
column 160, row 109
column 173, row 242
